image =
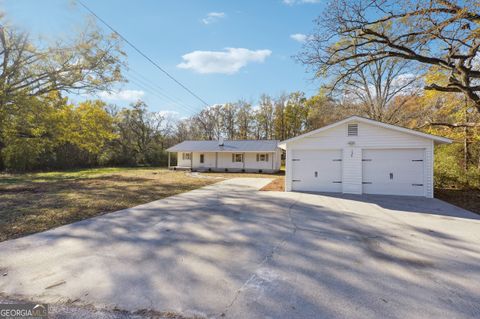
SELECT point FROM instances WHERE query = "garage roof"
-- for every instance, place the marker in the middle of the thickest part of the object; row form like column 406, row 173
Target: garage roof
column 228, row 146
column 437, row 139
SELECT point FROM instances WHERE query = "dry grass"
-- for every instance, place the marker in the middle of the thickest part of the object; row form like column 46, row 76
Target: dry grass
column 31, row 203
column 277, row 185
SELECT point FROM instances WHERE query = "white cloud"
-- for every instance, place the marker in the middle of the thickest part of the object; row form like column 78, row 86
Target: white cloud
column 299, row 37
column 229, row 61
column 122, row 95
column 213, row 17
column 292, row 2
column 169, row 114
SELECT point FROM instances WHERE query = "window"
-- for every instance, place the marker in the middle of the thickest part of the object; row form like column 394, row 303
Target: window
column 237, row 158
column 202, row 158
column 352, row 129
column 186, row 156
column 262, row 157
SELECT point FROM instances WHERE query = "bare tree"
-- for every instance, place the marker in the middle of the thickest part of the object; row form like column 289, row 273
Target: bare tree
column 228, row 115
column 91, row 62
column 209, row 122
column 265, row 117
column 244, row 120
column 375, row 88
column 440, row 33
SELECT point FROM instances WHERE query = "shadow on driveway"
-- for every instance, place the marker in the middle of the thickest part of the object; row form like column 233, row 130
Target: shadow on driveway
column 227, row 250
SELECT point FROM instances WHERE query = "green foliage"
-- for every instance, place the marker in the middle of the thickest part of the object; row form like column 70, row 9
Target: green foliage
column 87, row 126
column 449, row 171
column 47, row 132
column 28, row 131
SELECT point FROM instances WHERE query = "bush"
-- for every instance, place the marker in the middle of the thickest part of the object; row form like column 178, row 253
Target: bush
column 449, row 170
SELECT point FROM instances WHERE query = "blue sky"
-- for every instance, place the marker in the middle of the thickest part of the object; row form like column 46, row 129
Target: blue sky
column 222, row 50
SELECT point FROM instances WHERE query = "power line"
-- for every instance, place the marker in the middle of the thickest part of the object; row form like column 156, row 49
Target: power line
column 137, row 75
column 142, row 54
column 150, row 88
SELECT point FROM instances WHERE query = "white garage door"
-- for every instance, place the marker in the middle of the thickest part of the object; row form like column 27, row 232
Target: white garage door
column 393, row 172
column 317, row 171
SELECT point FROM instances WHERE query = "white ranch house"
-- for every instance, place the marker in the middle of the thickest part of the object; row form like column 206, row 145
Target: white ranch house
column 228, row 155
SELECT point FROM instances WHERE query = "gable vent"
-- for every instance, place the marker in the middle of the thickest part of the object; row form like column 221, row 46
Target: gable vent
column 352, row 129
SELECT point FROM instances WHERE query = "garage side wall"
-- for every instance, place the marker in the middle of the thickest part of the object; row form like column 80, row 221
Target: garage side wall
column 369, row 137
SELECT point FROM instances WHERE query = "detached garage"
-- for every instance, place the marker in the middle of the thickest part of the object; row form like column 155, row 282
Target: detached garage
column 361, row 156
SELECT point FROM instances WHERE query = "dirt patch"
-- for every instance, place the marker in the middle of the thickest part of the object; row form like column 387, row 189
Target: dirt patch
column 277, row 185
column 465, row 198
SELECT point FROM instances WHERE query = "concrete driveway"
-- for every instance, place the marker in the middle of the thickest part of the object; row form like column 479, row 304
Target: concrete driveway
column 227, row 250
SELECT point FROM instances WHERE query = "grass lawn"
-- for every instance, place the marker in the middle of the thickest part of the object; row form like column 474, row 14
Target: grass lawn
column 31, row 203
column 35, row 202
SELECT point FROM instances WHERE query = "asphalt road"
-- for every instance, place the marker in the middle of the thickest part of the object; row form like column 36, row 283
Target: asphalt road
column 230, row 251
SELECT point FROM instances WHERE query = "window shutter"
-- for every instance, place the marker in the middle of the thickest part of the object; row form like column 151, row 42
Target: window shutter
column 183, row 156
column 257, row 157
column 233, row 158
column 266, row 157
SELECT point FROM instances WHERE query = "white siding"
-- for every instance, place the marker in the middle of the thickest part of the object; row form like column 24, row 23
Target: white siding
column 369, row 137
column 181, row 162
column 251, row 161
column 429, row 170
column 208, row 160
column 288, row 168
column 223, row 160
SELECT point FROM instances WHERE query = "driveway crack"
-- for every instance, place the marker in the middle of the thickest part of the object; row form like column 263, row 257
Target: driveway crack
column 268, row 257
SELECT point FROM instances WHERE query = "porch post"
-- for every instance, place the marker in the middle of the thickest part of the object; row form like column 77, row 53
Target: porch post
column 191, row 160
column 168, row 160
column 216, row 160
column 243, row 160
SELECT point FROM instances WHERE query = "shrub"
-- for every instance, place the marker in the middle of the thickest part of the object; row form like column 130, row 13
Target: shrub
column 449, row 169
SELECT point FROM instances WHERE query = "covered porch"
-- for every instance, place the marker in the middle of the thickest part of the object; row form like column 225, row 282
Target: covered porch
column 223, row 161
